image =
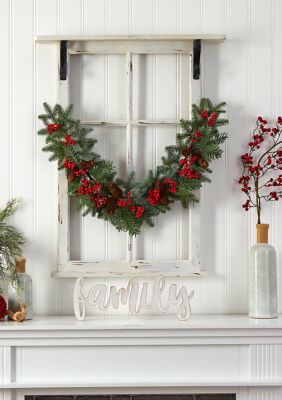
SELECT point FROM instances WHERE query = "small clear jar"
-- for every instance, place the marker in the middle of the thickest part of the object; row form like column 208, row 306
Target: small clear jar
column 23, row 293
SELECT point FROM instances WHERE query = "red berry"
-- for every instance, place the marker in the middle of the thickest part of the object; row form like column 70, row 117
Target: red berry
column 3, row 307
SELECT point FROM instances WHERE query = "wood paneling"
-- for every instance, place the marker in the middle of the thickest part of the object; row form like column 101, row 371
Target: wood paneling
column 244, row 71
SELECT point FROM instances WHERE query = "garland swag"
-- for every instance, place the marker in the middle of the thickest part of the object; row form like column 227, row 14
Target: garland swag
column 127, row 204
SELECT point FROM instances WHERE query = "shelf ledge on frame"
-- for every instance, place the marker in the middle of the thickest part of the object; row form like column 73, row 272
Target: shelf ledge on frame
column 138, row 269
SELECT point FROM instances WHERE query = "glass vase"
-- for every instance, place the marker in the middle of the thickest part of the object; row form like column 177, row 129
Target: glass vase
column 263, row 277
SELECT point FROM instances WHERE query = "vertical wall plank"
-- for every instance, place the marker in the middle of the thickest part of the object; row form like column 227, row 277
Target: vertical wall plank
column 71, row 17
column 277, row 110
column 22, row 122
column 46, row 17
column 95, row 22
column 214, row 14
column 5, row 80
column 45, row 293
column 119, row 17
column 238, row 132
column 213, row 197
column 166, row 16
column 142, row 16
column 189, row 15
column 261, row 81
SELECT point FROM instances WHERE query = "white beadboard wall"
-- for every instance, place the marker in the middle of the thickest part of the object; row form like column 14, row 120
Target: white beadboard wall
column 244, row 71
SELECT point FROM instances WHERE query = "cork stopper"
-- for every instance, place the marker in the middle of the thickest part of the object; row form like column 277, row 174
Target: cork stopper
column 262, row 233
column 20, row 264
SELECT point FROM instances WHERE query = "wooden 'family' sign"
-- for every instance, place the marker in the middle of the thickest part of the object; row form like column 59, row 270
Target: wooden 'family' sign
column 135, row 295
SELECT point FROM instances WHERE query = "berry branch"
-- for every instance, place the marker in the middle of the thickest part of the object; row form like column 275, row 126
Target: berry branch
column 264, row 157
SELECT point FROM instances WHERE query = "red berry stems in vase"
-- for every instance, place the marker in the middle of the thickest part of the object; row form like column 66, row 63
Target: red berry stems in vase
column 261, row 178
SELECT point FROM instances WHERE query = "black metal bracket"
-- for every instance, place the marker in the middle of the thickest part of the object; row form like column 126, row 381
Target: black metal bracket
column 63, row 60
column 196, row 58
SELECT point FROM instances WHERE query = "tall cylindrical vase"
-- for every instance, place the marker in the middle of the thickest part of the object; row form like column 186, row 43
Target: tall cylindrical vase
column 263, row 277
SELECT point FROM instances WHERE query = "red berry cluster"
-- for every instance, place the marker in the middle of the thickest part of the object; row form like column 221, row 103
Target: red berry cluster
column 137, row 210
column 246, row 205
column 69, row 164
column 52, row 127
column 154, row 196
column 196, row 136
column 3, row 307
column 247, row 159
column 99, row 201
column 187, row 170
column 171, row 185
column 205, row 114
column 124, row 202
column 244, row 181
column 87, row 187
column 212, row 119
column 273, row 196
column 80, row 171
column 159, row 194
column 68, row 140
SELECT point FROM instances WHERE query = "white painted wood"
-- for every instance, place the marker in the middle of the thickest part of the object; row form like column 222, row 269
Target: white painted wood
column 63, row 198
column 138, row 46
column 6, row 100
column 189, row 16
column 238, row 328
column 218, row 22
column 71, row 17
column 172, row 110
column 45, row 179
column 126, row 269
column 262, row 15
column 142, row 16
column 46, row 17
column 257, row 388
column 135, row 295
column 226, row 354
column 141, row 122
column 94, row 17
column 236, row 262
column 166, row 20
column 129, row 155
column 23, row 107
column 214, row 202
column 118, row 37
column 119, row 17
column 277, row 106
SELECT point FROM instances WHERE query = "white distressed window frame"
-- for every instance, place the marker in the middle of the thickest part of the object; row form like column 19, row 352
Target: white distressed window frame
column 129, row 45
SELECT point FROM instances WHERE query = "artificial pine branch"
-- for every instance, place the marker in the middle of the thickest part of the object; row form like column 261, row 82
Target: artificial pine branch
column 11, row 242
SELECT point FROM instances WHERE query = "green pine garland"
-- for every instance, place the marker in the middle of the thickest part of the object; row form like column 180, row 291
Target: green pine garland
column 127, row 204
column 11, row 242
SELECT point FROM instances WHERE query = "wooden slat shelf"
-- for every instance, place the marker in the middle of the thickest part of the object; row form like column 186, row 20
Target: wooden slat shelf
column 54, row 38
column 140, row 268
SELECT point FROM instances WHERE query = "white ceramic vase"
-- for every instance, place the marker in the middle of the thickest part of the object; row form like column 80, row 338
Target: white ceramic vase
column 263, row 277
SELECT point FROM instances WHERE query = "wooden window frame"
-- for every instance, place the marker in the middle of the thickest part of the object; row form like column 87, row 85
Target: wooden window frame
column 128, row 45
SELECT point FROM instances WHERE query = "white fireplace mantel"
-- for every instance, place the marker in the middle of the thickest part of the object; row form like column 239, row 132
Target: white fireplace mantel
column 58, row 353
